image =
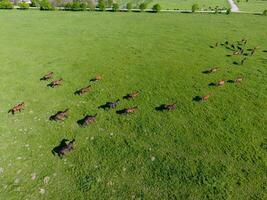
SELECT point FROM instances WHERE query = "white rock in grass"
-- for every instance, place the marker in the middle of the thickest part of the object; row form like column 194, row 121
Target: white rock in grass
column 16, row 181
column 1, row 170
column 153, row 158
column 33, row 176
column 46, row 179
column 41, row 191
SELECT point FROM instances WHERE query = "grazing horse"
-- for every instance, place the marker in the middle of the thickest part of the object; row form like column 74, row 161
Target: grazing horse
column 64, row 148
column 88, row 119
column 239, row 79
column 170, row 106
column 131, row 95
column 127, row 110
column 47, row 76
column 206, row 97
column 60, row 115
column 84, row 90
column 220, row 82
column 97, row 78
column 17, row 108
column 110, row 104
column 55, row 83
column 212, row 70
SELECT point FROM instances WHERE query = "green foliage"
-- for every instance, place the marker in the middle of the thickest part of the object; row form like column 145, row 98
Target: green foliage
column 5, row 4
column 195, row 7
column 264, row 13
column 156, row 8
column 115, row 7
column 46, row 5
column 24, row 6
column 101, row 5
column 109, row 3
column 75, row 6
column 129, row 6
column 142, row 6
column 35, row 3
column 228, row 11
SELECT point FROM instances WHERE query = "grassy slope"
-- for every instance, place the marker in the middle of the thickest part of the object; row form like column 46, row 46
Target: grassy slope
column 252, row 5
column 212, row 150
column 182, row 4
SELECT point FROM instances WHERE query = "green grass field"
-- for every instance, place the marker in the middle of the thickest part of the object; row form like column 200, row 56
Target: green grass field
column 252, row 5
column 201, row 150
column 181, row 4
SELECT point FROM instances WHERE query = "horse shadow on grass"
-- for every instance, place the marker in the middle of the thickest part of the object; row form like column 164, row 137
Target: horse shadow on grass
column 104, row 106
column 230, row 81
column 212, row 84
column 56, row 150
column 197, row 98
column 206, row 72
column 160, row 108
column 236, row 63
column 120, row 112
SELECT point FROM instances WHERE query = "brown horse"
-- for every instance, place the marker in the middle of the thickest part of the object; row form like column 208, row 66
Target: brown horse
column 17, row 108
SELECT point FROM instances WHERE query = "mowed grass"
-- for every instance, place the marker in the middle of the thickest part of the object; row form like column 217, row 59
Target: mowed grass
column 201, row 150
column 252, row 5
column 180, row 4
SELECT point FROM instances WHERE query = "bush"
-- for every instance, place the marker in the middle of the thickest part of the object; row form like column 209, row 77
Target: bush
column 75, row 6
column 101, row 5
column 110, row 3
column 115, row 7
column 46, row 5
column 228, row 11
column 156, row 8
column 24, row 6
column 5, row 4
column 264, row 13
column 142, row 6
column 35, row 3
column 129, row 6
column 195, row 7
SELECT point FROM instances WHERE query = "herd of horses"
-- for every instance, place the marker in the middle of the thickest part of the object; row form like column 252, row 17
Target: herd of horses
column 238, row 48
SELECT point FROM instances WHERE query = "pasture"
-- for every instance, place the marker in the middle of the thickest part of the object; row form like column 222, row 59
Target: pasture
column 180, row 4
column 252, row 5
column 201, row 150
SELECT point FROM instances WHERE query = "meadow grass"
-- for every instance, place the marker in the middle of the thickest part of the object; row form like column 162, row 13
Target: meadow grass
column 180, row 4
column 252, row 5
column 201, row 150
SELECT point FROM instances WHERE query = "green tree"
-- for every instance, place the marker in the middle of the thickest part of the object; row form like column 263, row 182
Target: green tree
column 101, row 5
column 110, row 3
column 6, row 4
column 228, row 11
column 156, row 8
column 24, row 6
column 115, row 7
column 46, row 5
column 142, row 6
column 129, row 6
column 35, row 3
column 195, row 7
column 264, row 13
